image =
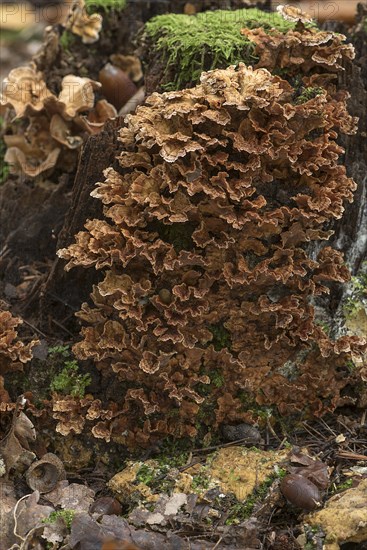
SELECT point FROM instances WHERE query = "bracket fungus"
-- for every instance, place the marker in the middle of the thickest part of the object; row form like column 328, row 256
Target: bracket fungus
column 83, row 24
column 221, row 194
column 13, row 353
column 55, row 123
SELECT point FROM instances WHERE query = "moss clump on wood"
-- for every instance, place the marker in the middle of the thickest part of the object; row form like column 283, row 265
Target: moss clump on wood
column 67, row 40
column 207, row 40
column 309, row 93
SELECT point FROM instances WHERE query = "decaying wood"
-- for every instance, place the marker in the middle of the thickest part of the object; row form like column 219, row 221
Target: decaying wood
column 63, row 292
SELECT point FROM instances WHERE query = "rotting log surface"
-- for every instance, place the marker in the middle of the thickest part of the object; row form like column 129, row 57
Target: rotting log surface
column 351, row 232
column 63, row 292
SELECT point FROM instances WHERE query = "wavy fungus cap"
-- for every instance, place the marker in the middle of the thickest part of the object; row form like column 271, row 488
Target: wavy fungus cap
column 13, row 352
column 25, row 90
column 204, row 312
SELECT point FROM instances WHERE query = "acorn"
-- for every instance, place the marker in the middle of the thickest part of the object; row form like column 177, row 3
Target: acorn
column 44, row 474
column 300, row 492
column 117, row 87
column 106, row 506
column 165, row 296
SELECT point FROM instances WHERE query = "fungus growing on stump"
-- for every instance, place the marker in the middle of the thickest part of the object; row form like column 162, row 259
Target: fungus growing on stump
column 13, row 352
column 207, row 251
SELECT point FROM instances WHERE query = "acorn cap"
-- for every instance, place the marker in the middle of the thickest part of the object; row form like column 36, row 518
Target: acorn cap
column 44, row 474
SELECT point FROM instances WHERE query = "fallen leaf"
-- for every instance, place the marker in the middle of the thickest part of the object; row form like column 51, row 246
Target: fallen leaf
column 16, row 441
column 55, row 531
column 76, row 497
column 29, row 513
column 301, row 492
column 7, row 502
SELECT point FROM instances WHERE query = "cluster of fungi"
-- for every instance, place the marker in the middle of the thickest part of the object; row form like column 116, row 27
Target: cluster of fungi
column 212, row 249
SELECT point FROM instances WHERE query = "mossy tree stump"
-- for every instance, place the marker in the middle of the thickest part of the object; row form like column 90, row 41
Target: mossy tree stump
column 74, row 288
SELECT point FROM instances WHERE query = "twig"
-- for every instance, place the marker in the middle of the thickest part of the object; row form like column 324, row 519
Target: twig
column 327, row 427
column 187, row 466
column 272, row 430
column 58, row 299
column 345, row 426
column 16, row 519
column 308, row 428
column 62, row 327
column 285, row 439
column 351, row 456
column 363, row 418
column 215, row 447
column 217, row 543
column 35, row 328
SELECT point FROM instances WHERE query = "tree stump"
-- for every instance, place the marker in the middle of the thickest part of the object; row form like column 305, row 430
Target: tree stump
column 63, row 293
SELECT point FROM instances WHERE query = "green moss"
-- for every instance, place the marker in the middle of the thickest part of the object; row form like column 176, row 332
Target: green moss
column 69, row 381
column 146, row 475
column 94, row 6
column 308, row 93
column 174, row 455
column 249, row 404
column 66, row 515
column 221, row 338
column 241, row 511
column 357, row 299
column 177, row 234
column 325, row 326
column 4, row 166
column 67, row 40
column 217, row 378
column 343, row 486
column 208, row 40
column 350, row 365
column 61, row 351
column 200, row 481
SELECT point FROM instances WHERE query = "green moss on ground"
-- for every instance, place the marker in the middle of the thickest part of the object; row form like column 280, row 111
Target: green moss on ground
column 221, row 338
column 187, row 41
column 66, row 515
column 156, row 475
column 240, row 511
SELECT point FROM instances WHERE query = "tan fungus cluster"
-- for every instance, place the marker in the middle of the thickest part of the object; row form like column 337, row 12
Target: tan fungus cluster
column 80, row 22
column 204, row 312
column 300, row 51
column 13, row 352
column 53, row 125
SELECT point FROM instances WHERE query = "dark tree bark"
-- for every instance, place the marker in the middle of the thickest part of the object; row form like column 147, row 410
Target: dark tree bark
column 351, row 231
column 63, row 292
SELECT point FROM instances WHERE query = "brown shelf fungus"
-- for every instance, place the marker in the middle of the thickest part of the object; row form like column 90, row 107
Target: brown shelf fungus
column 223, row 193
